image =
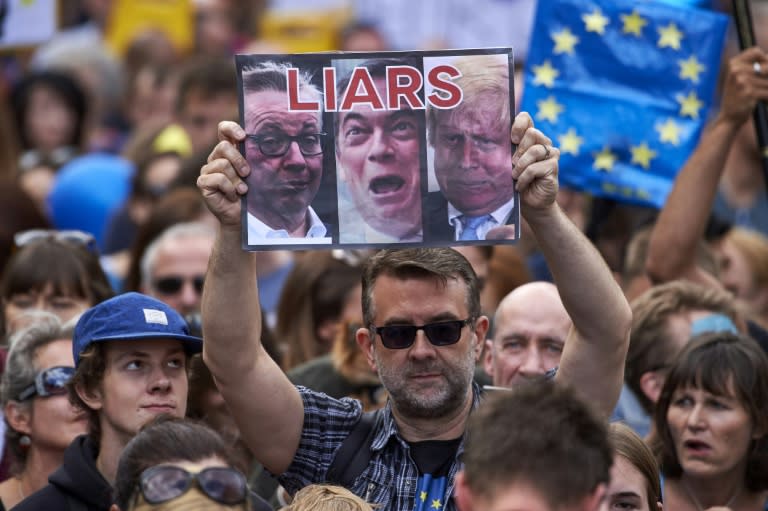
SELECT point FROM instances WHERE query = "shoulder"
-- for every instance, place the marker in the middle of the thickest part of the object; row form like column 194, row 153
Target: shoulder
column 47, row 498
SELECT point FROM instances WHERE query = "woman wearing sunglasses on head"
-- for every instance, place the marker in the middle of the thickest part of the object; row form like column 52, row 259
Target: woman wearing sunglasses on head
column 56, row 271
column 40, row 421
column 175, row 463
column 711, row 425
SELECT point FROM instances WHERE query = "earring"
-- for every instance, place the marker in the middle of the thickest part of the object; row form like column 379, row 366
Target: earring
column 25, row 442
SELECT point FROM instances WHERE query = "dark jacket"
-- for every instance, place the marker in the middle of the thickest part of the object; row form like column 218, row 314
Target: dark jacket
column 76, row 480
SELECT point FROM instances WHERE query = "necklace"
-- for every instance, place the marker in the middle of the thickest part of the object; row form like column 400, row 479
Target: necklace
column 20, row 487
column 696, row 502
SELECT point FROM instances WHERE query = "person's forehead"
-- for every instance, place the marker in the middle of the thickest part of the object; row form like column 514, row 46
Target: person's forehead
column 271, row 107
column 149, row 346
column 419, row 296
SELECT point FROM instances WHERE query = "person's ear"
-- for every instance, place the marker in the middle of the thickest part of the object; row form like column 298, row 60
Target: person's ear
column 91, row 397
column 366, row 344
column 592, row 501
column 651, row 383
column 488, row 358
column 659, row 506
column 114, row 507
column 19, row 416
column 481, row 330
column 461, row 493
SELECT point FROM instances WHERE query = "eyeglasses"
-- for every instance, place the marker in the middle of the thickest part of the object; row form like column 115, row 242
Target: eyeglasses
column 23, row 238
column 167, row 482
column 49, row 382
column 310, row 144
column 173, row 284
column 441, row 333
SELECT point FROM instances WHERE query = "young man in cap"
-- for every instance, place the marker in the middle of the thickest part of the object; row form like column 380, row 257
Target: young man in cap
column 131, row 356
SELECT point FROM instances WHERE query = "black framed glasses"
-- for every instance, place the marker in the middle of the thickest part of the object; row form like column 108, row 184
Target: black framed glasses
column 23, row 238
column 49, row 382
column 277, row 144
column 162, row 483
column 441, row 333
column 173, row 283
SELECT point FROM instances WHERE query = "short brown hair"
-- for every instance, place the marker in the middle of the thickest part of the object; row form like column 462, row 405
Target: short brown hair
column 442, row 264
column 89, row 374
column 716, row 362
column 541, row 433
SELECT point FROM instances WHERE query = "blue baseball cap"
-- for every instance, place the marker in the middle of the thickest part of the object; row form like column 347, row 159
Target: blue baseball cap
column 131, row 316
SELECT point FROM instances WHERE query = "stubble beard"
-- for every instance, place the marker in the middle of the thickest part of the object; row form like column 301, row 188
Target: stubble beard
column 441, row 399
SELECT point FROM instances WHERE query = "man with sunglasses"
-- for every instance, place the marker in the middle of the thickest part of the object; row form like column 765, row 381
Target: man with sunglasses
column 285, row 154
column 130, row 357
column 173, row 266
column 423, row 334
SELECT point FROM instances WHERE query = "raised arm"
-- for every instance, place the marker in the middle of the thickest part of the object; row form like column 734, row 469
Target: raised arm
column 594, row 353
column 683, row 219
column 264, row 403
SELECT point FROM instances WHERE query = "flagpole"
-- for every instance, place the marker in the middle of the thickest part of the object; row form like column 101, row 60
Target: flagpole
column 744, row 28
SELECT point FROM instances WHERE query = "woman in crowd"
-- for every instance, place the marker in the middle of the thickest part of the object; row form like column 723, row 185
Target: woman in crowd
column 176, row 463
column 635, row 474
column 50, row 112
column 56, row 271
column 40, row 421
column 711, row 421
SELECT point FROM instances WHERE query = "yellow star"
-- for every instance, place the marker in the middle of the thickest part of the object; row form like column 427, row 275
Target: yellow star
column 604, row 160
column 633, row 23
column 689, row 105
column 670, row 37
column 570, row 142
column 423, row 496
column 610, row 188
column 595, row 21
column 690, row 68
column 643, row 194
column 545, row 74
column 436, row 504
column 549, row 109
column 27, row 3
column 669, row 132
column 642, row 155
column 565, row 41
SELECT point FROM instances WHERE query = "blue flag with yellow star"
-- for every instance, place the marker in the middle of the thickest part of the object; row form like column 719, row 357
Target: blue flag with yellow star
column 623, row 88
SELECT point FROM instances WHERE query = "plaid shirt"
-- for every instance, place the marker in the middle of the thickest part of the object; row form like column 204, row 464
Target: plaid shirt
column 391, row 477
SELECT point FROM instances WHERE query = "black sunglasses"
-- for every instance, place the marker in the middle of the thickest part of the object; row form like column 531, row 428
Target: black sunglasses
column 172, row 284
column 48, row 382
column 167, row 482
column 441, row 333
column 310, row 144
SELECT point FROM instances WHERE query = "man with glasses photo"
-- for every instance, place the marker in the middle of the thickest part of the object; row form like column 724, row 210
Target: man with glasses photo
column 284, row 150
column 423, row 333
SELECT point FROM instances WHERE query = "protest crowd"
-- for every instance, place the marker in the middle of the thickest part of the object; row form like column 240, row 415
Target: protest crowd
column 615, row 356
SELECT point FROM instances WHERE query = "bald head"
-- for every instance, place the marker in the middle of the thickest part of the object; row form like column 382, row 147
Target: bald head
column 530, row 328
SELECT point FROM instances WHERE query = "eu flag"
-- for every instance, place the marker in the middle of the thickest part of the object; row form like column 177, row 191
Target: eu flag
column 623, row 88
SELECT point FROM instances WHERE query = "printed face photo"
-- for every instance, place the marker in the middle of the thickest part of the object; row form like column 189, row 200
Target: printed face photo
column 378, row 164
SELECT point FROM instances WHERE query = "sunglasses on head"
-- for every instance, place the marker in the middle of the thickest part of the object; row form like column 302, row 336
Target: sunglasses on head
column 49, row 382
column 23, row 238
column 441, row 333
column 173, row 284
column 167, row 482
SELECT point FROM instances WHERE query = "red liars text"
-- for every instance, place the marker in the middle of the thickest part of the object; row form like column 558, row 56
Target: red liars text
column 403, row 84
